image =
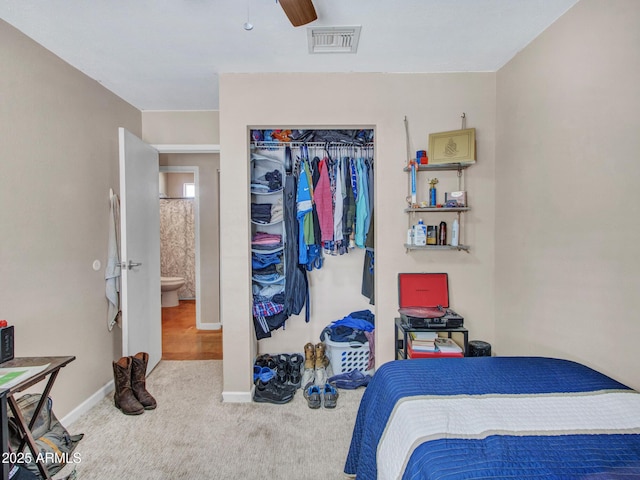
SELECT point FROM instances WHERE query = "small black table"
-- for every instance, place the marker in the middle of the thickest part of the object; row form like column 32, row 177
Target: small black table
column 402, row 329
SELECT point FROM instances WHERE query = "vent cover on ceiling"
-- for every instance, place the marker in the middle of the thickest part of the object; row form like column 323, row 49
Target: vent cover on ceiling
column 333, row 39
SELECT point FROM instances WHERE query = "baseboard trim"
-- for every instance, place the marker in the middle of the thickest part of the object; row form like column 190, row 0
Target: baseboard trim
column 237, row 397
column 88, row 404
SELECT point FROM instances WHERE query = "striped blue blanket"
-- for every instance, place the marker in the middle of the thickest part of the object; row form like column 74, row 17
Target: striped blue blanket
column 495, row 417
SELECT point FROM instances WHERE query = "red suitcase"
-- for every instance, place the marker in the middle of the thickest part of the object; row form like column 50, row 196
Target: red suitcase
column 424, row 301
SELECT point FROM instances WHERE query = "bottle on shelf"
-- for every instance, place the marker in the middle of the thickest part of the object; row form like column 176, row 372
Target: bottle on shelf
column 455, row 233
column 420, row 234
column 442, row 234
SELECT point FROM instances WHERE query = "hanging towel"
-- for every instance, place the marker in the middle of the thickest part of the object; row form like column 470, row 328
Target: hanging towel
column 112, row 269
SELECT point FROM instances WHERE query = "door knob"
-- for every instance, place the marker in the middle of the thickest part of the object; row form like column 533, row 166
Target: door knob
column 130, row 265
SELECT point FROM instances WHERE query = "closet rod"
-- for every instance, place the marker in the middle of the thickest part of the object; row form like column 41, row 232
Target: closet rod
column 276, row 145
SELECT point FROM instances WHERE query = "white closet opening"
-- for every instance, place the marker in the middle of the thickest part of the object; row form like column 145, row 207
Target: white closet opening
column 335, row 160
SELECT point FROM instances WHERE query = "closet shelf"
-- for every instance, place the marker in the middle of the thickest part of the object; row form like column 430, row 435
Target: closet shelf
column 269, row 282
column 268, row 251
column 262, row 145
column 261, row 224
column 260, row 192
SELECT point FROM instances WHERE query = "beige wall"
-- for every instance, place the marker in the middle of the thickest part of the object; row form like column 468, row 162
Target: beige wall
column 175, row 183
column 432, row 103
column 181, row 127
column 567, row 268
column 60, row 157
column 198, row 128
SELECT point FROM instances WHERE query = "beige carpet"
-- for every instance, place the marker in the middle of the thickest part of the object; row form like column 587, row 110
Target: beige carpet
column 193, row 435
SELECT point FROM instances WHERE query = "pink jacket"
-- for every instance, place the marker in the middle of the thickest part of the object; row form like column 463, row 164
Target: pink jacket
column 324, row 203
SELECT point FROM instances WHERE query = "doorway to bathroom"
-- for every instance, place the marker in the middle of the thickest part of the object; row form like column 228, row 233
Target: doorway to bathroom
column 189, row 253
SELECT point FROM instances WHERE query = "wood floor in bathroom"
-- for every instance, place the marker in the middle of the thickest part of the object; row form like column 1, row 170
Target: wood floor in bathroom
column 181, row 340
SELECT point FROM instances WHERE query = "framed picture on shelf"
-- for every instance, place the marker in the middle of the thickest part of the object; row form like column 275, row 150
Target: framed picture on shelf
column 456, row 146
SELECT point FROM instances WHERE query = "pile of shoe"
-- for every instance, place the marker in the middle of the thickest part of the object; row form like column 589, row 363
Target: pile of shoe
column 317, row 368
column 276, row 377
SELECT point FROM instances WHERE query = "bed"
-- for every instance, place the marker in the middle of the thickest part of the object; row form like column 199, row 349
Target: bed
column 495, row 417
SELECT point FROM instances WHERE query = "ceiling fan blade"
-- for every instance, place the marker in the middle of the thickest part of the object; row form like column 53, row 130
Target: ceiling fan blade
column 299, row 12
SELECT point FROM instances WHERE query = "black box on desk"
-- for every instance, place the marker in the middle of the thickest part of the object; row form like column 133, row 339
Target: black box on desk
column 6, row 344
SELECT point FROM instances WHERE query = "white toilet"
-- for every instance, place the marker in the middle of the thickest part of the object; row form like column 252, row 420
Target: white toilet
column 169, row 287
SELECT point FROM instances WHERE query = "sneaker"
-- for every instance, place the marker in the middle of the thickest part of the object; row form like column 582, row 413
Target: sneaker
column 294, row 377
column 285, row 387
column 350, row 380
column 266, row 360
column 268, row 393
column 282, row 367
column 312, row 394
column 330, row 396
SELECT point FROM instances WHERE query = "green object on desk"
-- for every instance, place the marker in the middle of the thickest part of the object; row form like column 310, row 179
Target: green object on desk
column 7, row 377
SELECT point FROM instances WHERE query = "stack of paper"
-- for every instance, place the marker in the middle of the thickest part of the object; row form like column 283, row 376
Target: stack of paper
column 13, row 376
column 446, row 345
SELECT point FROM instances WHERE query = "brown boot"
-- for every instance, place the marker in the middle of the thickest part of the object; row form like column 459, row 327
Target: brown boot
column 138, row 376
column 309, row 356
column 322, row 361
column 123, row 397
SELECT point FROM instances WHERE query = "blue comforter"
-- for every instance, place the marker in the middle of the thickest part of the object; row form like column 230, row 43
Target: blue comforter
column 530, row 453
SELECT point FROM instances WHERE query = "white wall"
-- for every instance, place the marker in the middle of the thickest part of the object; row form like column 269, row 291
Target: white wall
column 433, row 103
column 567, row 270
column 59, row 154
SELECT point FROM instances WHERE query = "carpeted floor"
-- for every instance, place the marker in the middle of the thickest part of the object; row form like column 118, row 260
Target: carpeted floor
column 193, row 435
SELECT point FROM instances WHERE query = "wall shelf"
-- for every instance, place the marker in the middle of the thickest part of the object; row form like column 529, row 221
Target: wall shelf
column 437, row 247
column 440, row 167
column 417, row 211
column 437, row 209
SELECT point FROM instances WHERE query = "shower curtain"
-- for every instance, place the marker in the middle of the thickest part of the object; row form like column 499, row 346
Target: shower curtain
column 177, row 243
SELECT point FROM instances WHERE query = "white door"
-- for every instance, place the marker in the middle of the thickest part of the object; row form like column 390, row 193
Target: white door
column 140, row 248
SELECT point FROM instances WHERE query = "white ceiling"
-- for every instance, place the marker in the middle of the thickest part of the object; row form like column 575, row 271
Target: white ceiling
column 167, row 54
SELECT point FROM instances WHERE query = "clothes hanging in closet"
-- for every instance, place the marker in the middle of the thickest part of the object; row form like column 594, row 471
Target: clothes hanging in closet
column 295, row 275
column 326, row 209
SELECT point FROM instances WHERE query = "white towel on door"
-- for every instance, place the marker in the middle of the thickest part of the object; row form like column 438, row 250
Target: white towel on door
column 112, row 269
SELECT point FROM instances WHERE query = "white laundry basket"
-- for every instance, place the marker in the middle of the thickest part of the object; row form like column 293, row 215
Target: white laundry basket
column 345, row 356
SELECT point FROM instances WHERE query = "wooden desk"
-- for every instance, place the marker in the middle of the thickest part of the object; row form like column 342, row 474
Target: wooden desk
column 55, row 364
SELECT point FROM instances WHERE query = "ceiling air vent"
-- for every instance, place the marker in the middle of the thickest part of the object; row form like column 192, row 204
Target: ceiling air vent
column 333, row 39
